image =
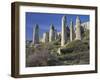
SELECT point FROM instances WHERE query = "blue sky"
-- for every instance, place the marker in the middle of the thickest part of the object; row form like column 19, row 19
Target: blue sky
column 44, row 20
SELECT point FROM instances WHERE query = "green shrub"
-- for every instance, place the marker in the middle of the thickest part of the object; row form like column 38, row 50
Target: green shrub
column 66, row 50
column 86, row 35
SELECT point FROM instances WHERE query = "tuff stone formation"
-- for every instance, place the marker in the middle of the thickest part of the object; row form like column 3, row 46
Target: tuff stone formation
column 85, row 25
column 68, row 33
column 78, row 28
column 63, row 32
column 71, row 31
column 56, row 35
column 59, row 35
column 52, row 33
column 36, row 34
column 46, row 37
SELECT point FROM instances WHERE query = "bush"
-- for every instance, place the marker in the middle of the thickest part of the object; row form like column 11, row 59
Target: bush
column 75, row 58
column 29, row 51
column 86, row 35
column 66, row 50
column 53, row 60
column 77, row 46
column 56, row 42
column 39, row 58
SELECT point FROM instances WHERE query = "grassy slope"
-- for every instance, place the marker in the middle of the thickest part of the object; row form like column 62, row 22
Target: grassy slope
column 75, row 52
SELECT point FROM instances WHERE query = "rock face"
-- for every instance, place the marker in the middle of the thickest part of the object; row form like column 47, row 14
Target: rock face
column 72, row 34
column 46, row 37
column 56, row 35
column 64, row 32
column 85, row 25
column 52, row 33
column 59, row 35
column 36, row 34
column 78, row 28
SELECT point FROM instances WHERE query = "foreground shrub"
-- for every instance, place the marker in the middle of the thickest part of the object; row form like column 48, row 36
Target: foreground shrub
column 38, row 58
column 75, row 46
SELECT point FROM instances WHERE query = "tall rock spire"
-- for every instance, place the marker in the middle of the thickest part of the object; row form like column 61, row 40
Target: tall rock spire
column 71, row 30
column 46, row 37
column 36, row 34
column 78, row 28
column 52, row 33
column 64, row 32
column 56, row 35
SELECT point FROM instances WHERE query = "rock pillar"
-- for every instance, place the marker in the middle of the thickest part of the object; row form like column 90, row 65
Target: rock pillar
column 46, row 37
column 71, row 31
column 63, row 32
column 52, row 33
column 36, row 34
column 78, row 28
column 56, row 35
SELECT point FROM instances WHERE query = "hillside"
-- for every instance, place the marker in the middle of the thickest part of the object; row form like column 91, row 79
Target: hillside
column 73, row 53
